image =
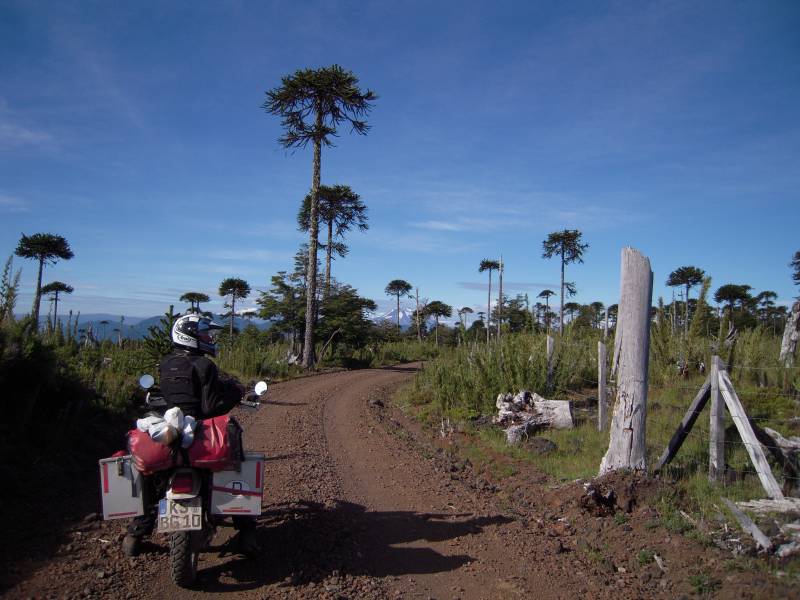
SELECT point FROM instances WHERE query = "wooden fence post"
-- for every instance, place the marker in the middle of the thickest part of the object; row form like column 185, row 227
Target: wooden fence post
column 551, row 346
column 751, row 443
column 685, row 426
column 602, row 399
column 626, row 448
column 716, row 452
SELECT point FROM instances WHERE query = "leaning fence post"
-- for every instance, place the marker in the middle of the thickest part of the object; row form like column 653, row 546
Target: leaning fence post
column 626, row 448
column 716, row 453
column 551, row 345
column 602, row 401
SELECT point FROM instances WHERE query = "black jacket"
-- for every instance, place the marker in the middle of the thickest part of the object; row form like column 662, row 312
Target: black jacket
column 192, row 383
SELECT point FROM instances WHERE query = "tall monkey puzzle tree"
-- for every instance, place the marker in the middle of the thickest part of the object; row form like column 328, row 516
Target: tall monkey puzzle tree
column 194, row 299
column 437, row 309
column 46, row 248
column 235, row 288
column 489, row 265
column 56, row 288
column 567, row 246
column 795, row 264
column 546, row 295
column 340, row 208
column 688, row 277
column 398, row 287
column 312, row 103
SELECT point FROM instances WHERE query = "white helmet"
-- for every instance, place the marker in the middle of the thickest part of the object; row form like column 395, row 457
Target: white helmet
column 195, row 332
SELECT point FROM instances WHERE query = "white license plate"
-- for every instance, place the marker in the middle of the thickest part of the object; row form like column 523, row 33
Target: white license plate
column 183, row 515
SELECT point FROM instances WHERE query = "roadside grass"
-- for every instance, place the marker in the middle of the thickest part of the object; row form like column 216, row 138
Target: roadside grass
column 462, row 384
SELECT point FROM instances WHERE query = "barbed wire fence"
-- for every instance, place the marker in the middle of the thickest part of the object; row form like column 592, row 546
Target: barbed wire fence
column 737, row 449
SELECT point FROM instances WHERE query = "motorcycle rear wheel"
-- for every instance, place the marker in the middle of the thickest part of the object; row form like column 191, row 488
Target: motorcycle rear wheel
column 183, row 554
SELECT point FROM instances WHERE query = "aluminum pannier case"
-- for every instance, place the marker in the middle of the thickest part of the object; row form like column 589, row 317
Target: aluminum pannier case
column 120, row 488
column 239, row 492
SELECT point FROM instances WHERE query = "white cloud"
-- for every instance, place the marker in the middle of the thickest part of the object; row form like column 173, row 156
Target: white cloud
column 12, row 204
column 13, row 136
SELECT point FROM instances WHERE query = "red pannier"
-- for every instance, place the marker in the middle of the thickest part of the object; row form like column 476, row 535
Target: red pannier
column 217, row 444
column 149, row 456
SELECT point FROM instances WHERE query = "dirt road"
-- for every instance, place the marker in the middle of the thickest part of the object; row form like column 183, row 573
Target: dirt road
column 360, row 505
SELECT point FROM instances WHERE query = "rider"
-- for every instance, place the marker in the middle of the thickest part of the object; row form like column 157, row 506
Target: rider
column 191, row 381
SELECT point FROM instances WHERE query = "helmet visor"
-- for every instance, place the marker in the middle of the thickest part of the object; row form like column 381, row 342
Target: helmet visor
column 207, row 330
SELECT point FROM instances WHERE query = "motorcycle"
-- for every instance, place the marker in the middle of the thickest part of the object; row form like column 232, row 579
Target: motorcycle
column 195, row 486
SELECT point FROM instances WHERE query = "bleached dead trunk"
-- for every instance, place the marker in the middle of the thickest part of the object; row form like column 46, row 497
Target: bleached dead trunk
column 524, row 413
column 790, row 336
column 555, row 414
column 626, row 448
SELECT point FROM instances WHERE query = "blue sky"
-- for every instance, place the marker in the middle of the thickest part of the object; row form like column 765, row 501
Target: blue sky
column 135, row 131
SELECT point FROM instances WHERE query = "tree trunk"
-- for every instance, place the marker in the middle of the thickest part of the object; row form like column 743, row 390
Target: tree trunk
column 328, row 259
column 419, row 331
column 55, row 311
column 547, row 313
column 233, row 312
column 489, row 308
column 500, row 302
column 790, row 336
column 561, row 310
column 38, row 298
column 436, row 335
column 626, row 448
column 398, row 312
column 686, row 314
column 311, row 288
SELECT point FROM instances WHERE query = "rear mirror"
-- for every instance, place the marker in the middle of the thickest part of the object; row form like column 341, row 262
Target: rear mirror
column 261, row 388
column 146, row 381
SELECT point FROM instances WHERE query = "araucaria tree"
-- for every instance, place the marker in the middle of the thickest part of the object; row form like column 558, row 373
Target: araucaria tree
column 235, row 288
column 688, row 277
column 194, row 299
column 312, row 103
column 567, row 246
column 546, row 295
column 795, row 264
column 46, row 248
column 437, row 309
column 488, row 265
column 55, row 288
column 398, row 287
column 732, row 293
column 340, row 209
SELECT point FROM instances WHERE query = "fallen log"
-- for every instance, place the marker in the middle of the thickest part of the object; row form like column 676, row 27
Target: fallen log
column 525, row 413
column 768, row 505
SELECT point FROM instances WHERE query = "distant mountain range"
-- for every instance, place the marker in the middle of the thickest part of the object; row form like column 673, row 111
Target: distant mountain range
column 105, row 326
column 407, row 318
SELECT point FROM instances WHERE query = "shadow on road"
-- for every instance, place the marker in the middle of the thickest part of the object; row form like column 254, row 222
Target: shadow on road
column 308, row 542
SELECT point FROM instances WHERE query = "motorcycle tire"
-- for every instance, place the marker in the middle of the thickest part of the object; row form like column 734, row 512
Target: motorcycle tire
column 183, row 555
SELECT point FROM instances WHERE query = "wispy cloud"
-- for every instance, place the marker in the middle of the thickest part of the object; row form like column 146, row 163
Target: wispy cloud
column 418, row 242
column 250, row 255
column 13, row 135
column 462, row 224
column 12, row 204
column 464, row 209
column 509, row 285
column 16, row 133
